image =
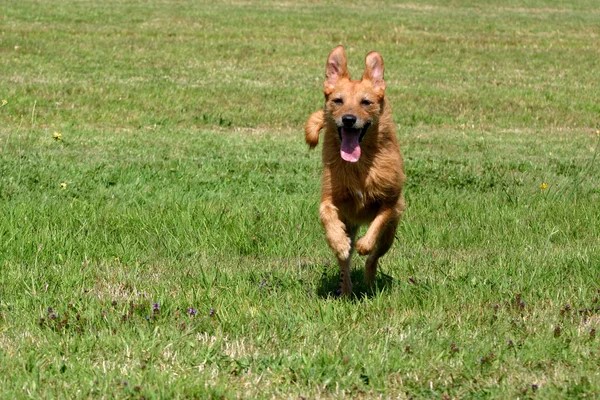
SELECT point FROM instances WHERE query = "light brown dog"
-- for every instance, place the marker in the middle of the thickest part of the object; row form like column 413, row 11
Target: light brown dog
column 362, row 165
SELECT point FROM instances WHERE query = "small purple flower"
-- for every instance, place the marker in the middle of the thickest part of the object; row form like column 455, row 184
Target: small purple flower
column 155, row 308
column 52, row 313
column 192, row 312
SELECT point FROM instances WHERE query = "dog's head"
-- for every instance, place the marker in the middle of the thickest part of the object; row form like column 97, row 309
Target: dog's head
column 354, row 106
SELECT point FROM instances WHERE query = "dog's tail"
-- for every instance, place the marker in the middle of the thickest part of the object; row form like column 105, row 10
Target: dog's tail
column 313, row 125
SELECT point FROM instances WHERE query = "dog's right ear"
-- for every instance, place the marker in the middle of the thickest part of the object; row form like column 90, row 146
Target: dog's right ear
column 336, row 68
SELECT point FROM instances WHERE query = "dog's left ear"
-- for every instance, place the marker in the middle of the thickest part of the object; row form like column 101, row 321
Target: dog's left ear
column 374, row 70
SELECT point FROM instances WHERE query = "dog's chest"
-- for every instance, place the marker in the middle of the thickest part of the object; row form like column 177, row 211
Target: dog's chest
column 357, row 187
column 359, row 196
column 358, row 199
column 357, row 205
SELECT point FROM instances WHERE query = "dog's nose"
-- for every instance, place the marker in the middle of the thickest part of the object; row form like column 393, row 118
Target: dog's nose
column 348, row 120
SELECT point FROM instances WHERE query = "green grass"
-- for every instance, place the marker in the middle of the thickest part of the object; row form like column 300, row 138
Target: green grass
column 182, row 180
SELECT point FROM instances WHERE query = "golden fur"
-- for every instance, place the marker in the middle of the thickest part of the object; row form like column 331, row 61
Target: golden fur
column 367, row 190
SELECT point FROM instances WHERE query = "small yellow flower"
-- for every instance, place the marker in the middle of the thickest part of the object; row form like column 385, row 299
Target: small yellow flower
column 4, row 102
column 57, row 136
column 543, row 186
column 63, row 185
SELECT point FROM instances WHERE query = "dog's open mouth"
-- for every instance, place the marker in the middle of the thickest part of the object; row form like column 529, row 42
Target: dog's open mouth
column 351, row 138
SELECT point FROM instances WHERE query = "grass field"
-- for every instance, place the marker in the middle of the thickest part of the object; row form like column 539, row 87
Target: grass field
column 159, row 233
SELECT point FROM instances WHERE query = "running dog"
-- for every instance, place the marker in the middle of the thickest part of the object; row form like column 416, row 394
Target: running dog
column 363, row 172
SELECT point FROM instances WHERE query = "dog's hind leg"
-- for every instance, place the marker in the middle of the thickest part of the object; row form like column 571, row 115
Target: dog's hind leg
column 345, row 280
column 340, row 237
column 379, row 237
column 345, row 264
column 386, row 239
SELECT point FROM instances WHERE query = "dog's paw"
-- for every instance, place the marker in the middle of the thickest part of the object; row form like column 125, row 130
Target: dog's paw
column 345, row 290
column 365, row 245
column 340, row 243
column 342, row 248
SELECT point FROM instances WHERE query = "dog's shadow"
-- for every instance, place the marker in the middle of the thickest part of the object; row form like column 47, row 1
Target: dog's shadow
column 329, row 286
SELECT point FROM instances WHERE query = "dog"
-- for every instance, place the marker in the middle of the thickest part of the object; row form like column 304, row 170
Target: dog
column 363, row 169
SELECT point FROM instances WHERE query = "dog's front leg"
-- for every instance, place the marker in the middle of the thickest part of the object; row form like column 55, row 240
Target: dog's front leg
column 388, row 215
column 340, row 238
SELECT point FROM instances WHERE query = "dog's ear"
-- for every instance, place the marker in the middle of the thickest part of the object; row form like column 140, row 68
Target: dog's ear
column 336, row 68
column 374, row 70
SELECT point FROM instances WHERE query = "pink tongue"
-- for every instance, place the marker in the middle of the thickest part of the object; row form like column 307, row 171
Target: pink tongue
column 350, row 150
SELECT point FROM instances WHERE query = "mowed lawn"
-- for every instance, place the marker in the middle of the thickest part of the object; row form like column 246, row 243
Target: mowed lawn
column 159, row 233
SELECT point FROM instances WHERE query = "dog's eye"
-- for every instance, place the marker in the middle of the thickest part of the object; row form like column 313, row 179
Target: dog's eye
column 339, row 101
column 366, row 102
